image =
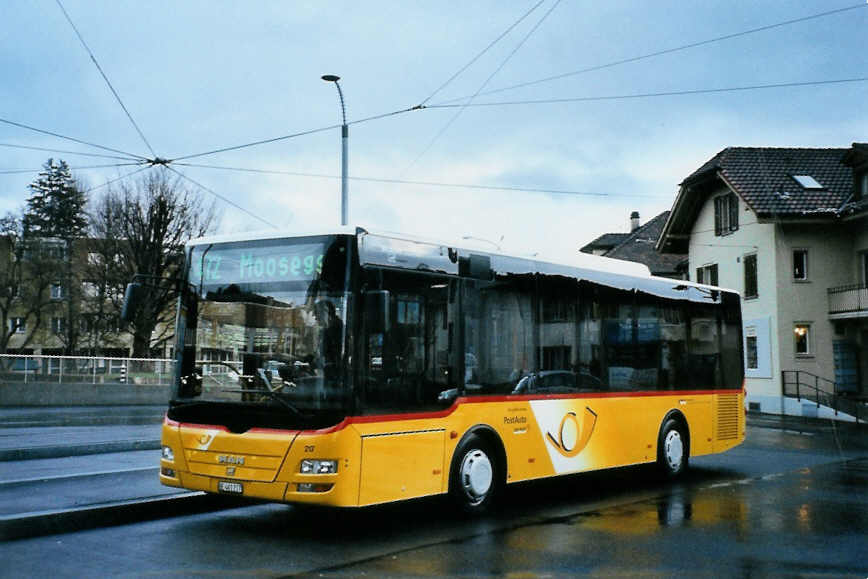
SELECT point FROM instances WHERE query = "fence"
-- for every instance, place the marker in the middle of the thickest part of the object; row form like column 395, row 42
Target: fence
column 85, row 369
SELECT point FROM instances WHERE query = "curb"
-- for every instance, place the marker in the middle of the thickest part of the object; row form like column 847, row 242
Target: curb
column 37, row 524
column 60, row 451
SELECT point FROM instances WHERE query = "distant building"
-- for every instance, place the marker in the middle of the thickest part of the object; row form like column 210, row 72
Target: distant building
column 640, row 246
column 788, row 229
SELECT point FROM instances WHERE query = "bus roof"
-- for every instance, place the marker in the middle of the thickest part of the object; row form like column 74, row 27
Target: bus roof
column 582, row 261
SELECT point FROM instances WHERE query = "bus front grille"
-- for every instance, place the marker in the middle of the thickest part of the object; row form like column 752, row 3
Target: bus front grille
column 727, row 417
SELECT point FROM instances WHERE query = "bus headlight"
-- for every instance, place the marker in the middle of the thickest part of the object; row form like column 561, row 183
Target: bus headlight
column 310, row 466
column 168, row 454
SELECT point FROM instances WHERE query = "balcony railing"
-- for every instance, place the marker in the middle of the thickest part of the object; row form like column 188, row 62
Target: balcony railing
column 848, row 299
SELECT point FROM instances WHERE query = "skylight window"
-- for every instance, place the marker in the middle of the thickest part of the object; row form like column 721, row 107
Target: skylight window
column 807, row 182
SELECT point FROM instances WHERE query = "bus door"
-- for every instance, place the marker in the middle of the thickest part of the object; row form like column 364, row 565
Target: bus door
column 409, row 367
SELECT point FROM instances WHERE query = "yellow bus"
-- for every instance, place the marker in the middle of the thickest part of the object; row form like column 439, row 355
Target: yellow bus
column 351, row 368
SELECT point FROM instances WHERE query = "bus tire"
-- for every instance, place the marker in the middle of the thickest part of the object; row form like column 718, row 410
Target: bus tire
column 673, row 448
column 473, row 478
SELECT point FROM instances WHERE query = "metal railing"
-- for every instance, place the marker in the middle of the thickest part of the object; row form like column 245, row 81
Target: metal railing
column 848, row 299
column 30, row 368
column 803, row 385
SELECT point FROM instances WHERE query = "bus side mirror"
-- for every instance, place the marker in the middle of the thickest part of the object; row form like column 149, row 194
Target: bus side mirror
column 134, row 296
column 377, row 318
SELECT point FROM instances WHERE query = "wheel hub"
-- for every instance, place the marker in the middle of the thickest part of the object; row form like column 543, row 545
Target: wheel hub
column 476, row 474
column 673, row 448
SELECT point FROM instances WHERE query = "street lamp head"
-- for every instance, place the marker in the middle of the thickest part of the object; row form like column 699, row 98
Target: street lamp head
column 330, row 78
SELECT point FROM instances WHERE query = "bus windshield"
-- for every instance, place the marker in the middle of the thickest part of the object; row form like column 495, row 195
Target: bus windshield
column 266, row 325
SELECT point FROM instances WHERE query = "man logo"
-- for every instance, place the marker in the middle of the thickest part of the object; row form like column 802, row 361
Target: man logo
column 571, row 439
column 229, row 459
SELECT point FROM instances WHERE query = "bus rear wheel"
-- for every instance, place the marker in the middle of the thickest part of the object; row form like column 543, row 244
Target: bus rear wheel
column 473, row 476
column 673, row 449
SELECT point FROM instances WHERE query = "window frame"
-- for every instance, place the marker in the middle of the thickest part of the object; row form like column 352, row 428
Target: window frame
column 809, row 351
column 725, row 214
column 745, row 259
column 805, row 265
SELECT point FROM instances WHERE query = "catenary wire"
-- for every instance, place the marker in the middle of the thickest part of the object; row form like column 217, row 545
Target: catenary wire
column 16, row 171
column 121, row 178
column 481, row 87
column 221, row 197
column 108, row 82
column 423, row 183
column 484, row 50
column 73, row 139
column 12, row 146
column 293, row 135
column 667, row 51
column 652, row 94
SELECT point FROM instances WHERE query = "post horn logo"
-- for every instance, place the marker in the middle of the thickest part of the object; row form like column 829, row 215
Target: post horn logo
column 571, row 438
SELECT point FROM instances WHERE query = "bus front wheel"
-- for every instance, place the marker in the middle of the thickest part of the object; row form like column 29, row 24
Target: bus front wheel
column 473, row 476
column 673, row 448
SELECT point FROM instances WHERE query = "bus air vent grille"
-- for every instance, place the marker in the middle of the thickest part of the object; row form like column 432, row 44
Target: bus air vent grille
column 727, row 417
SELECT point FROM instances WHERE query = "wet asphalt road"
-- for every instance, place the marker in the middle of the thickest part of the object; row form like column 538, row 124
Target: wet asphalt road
column 783, row 504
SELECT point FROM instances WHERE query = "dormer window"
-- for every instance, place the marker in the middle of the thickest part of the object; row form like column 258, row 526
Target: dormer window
column 861, row 185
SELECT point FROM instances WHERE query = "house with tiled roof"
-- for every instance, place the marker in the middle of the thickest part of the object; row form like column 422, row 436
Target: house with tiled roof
column 640, row 246
column 788, row 229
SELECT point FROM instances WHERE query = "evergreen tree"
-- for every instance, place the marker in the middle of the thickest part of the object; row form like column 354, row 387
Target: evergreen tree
column 56, row 207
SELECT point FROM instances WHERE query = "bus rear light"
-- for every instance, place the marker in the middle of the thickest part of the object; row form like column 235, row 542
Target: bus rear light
column 314, row 487
column 309, row 466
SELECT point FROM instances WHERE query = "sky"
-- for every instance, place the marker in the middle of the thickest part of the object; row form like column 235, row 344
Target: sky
column 198, row 76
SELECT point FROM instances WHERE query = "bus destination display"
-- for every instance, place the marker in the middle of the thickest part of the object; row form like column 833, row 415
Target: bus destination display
column 256, row 264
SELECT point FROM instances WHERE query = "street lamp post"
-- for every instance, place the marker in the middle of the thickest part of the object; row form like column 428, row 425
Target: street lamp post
column 345, row 133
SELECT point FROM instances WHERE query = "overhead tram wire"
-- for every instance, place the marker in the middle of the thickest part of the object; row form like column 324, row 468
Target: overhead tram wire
column 73, row 139
column 21, row 171
column 652, row 94
column 293, row 135
column 481, row 87
column 221, row 197
column 112, row 88
column 423, row 183
column 13, row 146
column 121, row 178
column 484, row 50
column 667, row 51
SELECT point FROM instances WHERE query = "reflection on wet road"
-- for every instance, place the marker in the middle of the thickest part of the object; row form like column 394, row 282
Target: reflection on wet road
column 812, row 520
column 786, row 503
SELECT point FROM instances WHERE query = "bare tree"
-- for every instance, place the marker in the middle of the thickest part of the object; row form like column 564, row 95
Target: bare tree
column 140, row 227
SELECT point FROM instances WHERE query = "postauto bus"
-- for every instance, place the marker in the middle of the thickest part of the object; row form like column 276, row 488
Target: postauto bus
column 349, row 368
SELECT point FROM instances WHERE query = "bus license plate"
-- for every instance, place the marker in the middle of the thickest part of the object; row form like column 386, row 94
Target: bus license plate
column 232, row 487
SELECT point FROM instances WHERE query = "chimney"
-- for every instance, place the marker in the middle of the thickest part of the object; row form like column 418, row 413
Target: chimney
column 634, row 221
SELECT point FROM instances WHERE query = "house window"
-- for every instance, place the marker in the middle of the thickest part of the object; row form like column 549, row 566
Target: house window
column 751, row 353
column 707, row 274
column 861, row 186
column 750, row 276
column 802, row 334
column 800, row 264
column 17, row 325
column 58, row 325
column 56, row 291
column 725, row 214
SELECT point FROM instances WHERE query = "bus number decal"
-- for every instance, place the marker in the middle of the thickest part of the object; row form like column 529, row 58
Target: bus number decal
column 309, row 448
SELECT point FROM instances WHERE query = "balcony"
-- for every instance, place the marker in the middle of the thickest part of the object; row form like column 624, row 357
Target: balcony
column 848, row 301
